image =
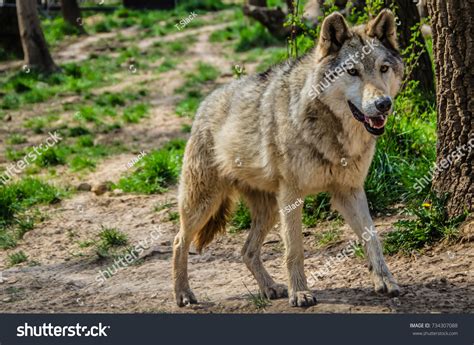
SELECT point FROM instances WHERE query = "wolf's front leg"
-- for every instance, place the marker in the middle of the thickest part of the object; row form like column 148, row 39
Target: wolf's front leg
column 354, row 208
column 291, row 205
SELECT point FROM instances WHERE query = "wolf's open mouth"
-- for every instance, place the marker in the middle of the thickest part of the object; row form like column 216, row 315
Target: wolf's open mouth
column 374, row 124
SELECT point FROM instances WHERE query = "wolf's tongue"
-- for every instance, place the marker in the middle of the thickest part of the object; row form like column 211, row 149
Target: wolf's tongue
column 375, row 122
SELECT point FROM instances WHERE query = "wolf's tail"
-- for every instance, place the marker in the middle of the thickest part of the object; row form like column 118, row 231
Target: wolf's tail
column 216, row 224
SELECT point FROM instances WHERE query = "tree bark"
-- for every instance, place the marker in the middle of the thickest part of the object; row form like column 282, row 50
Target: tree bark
column 35, row 49
column 453, row 46
column 407, row 11
column 272, row 18
column 10, row 40
column 260, row 3
column 72, row 14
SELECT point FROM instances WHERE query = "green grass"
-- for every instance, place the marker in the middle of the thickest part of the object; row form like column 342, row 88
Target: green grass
column 192, row 88
column 329, row 237
column 185, row 128
column 15, row 199
column 241, row 219
column 166, row 65
column 56, row 29
column 135, row 113
column 156, row 171
column 78, row 153
column 245, row 36
column 188, row 106
column 204, row 73
column 16, row 139
column 430, row 224
column 252, row 36
column 110, row 240
column 17, row 258
column 317, row 208
column 22, row 88
column 173, row 216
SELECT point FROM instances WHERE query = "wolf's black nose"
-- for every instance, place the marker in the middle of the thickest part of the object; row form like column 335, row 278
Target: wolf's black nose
column 383, row 104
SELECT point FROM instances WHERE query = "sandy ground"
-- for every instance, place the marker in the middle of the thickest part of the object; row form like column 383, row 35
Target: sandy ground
column 65, row 278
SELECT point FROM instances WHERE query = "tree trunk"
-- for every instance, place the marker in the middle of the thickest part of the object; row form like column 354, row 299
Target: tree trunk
column 10, row 41
column 260, row 3
column 34, row 45
column 409, row 16
column 453, row 45
column 72, row 14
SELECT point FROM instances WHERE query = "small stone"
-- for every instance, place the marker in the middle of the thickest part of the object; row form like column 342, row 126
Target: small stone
column 117, row 192
column 100, row 188
column 84, row 187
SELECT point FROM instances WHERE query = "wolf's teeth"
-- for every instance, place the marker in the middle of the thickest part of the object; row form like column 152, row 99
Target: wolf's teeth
column 371, row 123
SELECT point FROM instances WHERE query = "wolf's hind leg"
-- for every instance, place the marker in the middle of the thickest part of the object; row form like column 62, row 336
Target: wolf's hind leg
column 263, row 208
column 204, row 202
column 354, row 208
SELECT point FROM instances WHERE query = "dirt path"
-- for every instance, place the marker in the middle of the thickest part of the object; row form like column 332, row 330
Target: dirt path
column 66, row 277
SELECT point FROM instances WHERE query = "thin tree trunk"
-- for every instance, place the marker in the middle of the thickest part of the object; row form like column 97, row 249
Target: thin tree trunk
column 453, row 46
column 10, row 40
column 260, row 3
column 409, row 16
column 34, row 44
column 72, row 14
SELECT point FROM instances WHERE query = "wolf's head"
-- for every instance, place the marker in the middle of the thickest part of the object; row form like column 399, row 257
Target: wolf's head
column 360, row 69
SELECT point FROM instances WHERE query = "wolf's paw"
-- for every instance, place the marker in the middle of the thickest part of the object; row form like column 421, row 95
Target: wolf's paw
column 385, row 284
column 275, row 291
column 302, row 299
column 185, row 297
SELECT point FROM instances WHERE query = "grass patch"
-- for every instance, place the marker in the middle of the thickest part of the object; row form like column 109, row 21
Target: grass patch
column 204, row 73
column 188, row 106
column 431, row 224
column 110, row 239
column 329, row 237
column 15, row 199
column 317, row 208
column 25, row 88
column 16, row 139
column 17, row 258
column 241, row 219
column 166, row 65
column 135, row 113
column 192, row 89
column 156, row 171
column 245, row 36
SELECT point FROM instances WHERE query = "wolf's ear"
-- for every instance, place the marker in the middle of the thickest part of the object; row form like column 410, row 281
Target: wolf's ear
column 334, row 32
column 384, row 28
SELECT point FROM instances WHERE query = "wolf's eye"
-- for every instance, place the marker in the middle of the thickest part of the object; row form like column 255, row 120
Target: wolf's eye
column 353, row 72
column 384, row 69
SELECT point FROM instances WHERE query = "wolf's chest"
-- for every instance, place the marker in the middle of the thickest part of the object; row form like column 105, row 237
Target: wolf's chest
column 322, row 175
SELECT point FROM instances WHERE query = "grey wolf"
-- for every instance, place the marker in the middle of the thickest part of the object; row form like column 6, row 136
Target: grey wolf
column 267, row 138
